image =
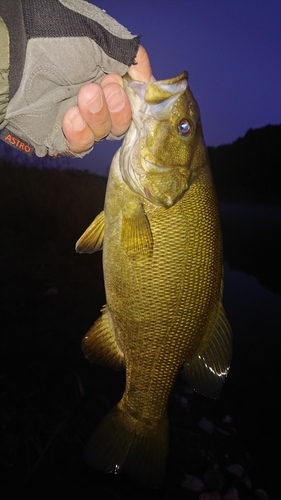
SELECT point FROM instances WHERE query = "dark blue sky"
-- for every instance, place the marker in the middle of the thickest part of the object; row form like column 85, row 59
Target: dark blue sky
column 231, row 49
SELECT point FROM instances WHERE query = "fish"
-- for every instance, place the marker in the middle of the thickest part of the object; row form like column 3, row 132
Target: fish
column 161, row 240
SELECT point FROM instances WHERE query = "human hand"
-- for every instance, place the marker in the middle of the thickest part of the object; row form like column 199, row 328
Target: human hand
column 104, row 108
column 67, row 64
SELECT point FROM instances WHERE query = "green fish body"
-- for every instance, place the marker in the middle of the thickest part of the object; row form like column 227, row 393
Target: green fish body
column 162, row 260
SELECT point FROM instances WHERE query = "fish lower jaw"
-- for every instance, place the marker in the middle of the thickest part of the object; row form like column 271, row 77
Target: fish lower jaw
column 148, row 166
column 167, row 183
column 170, row 202
column 160, row 201
column 156, row 202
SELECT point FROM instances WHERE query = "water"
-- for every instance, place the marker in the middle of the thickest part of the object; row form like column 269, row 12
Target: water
column 250, row 306
column 252, row 240
column 252, row 391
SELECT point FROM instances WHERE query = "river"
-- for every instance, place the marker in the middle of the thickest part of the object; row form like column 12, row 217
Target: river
column 252, row 390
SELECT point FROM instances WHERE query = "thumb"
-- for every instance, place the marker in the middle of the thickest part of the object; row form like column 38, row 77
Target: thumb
column 142, row 70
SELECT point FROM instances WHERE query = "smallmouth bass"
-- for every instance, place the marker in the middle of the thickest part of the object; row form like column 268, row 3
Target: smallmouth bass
column 162, row 261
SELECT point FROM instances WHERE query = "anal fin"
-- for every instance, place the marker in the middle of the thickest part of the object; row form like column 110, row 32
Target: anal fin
column 92, row 239
column 206, row 373
column 99, row 344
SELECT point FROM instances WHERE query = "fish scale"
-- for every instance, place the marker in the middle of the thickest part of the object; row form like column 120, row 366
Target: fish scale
column 173, row 345
column 162, row 262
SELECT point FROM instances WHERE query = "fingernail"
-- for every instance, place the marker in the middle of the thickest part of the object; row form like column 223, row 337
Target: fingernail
column 77, row 121
column 115, row 101
column 95, row 105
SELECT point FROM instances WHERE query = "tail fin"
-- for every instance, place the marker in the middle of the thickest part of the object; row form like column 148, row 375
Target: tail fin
column 124, row 444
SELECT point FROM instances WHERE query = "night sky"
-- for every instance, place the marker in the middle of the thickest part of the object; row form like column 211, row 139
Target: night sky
column 231, row 49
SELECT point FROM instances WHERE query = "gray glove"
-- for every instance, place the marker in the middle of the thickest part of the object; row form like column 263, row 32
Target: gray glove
column 64, row 44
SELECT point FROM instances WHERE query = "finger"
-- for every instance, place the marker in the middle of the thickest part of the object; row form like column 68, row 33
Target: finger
column 118, row 104
column 94, row 110
column 78, row 134
column 111, row 78
column 142, row 70
column 89, row 121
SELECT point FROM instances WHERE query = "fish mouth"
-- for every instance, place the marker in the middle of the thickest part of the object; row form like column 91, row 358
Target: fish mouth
column 158, row 91
column 147, row 169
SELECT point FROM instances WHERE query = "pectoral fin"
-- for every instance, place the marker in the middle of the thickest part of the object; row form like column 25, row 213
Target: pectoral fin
column 136, row 234
column 206, row 373
column 92, row 239
column 99, row 344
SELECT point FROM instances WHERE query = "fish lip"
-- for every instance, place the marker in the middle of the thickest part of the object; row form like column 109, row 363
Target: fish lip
column 150, row 167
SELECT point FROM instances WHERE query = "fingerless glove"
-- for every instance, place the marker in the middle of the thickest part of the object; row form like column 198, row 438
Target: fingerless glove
column 51, row 48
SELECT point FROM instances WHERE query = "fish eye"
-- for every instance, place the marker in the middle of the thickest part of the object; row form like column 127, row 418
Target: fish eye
column 184, row 127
